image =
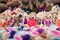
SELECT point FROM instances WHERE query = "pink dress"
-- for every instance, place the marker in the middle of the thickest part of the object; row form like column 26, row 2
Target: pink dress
column 47, row 22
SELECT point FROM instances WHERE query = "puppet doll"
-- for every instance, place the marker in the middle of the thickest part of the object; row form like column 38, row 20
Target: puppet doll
column 41, row 16
column 47, row 22
column 32, row 20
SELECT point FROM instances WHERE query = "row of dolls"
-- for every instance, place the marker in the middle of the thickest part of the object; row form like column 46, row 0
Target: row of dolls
column 20, row 20
column 22, row 17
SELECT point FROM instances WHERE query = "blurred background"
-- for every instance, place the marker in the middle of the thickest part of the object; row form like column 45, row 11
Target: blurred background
column 28, row 5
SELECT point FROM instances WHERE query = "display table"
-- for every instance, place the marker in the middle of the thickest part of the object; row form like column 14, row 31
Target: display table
column 21, row 33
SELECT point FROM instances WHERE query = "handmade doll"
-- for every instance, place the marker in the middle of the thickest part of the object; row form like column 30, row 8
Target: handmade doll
column 41, row 16
column 47, row 22
column 54, row 10
column 32, row 20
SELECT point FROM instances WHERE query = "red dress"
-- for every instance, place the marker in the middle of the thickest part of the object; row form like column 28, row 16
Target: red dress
column 31, row 22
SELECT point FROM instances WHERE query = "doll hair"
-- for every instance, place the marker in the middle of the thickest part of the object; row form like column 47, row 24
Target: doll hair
column 26, row 37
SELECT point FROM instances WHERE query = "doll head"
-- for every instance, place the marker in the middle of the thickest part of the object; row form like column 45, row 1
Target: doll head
column 25, row 15
column 40, row 15
column 3, row 20
column 58, row 16
column 49, row 15
column 55, row 8
column 33, row 15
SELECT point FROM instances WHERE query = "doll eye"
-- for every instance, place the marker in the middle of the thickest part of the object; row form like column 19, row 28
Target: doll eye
column 20, row 15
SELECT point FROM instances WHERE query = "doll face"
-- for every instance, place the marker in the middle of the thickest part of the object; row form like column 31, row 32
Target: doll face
column 33, row 15
column 3, row 20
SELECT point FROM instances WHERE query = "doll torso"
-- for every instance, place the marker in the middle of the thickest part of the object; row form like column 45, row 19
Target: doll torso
column 32, row 22
column 47, row 22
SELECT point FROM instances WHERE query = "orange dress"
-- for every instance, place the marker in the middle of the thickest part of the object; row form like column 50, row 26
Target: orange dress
column 58, row 22
column 5, row 24
column 0, row 23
